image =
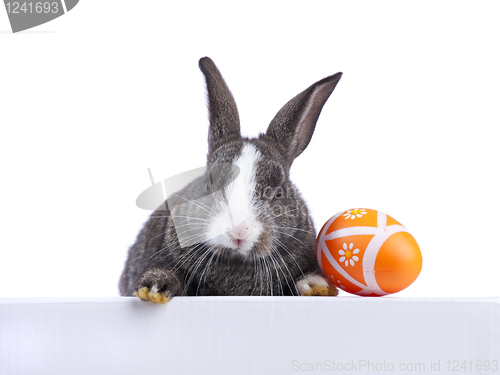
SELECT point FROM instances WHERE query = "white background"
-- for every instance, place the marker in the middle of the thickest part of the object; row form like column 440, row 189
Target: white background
column 91, row 100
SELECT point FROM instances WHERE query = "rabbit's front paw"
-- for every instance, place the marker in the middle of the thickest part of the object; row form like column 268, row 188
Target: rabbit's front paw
column 158, row 286
column 315, row 285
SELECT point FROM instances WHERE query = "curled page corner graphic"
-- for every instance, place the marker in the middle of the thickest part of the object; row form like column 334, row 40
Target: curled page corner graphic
column 70, row 4
column 26, row 14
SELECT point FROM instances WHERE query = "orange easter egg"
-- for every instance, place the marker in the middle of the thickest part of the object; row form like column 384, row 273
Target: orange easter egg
column 368, row 253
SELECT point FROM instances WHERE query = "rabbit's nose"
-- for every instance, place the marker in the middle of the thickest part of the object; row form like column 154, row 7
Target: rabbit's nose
column 240, row 232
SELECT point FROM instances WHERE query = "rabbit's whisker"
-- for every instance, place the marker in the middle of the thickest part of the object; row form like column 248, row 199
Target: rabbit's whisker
column 283, row 213
column 275, row 249
column 289, row 235
column 269, row 275
column 207, row 266
column 282, row 245
column 199, row 204
column 186, row 256
column 190, row 218
column 196, row 266
column 276, row 267
column 295, row 228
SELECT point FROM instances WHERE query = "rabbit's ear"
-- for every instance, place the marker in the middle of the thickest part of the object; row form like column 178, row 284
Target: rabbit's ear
column 223, row 114
column 293, row 126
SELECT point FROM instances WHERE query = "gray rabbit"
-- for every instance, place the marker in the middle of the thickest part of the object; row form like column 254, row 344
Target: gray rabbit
column 242, row 227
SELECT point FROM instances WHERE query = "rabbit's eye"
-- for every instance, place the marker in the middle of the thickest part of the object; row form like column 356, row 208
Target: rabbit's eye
column 269, row 193
column 258, row 190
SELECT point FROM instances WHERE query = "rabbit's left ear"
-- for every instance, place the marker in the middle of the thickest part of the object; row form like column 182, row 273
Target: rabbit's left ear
column 293, row 126
column 223, row 114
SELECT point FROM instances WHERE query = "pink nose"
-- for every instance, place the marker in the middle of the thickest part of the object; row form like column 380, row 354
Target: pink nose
column 239, row 232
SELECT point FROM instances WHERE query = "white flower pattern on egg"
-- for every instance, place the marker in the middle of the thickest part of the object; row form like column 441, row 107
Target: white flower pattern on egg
column 354, row 213
column 348, row 256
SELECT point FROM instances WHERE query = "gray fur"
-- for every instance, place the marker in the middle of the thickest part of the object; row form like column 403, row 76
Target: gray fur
column 285, row 251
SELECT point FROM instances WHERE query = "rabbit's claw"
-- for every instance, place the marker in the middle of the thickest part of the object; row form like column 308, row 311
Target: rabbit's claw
column 158, row 286
column 149, row 295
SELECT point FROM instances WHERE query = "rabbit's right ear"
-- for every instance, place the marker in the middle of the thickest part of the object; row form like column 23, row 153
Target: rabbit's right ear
column 223, row 114
column 293, row 126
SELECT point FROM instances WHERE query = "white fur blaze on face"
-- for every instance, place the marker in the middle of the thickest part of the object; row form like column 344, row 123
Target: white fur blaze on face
column 236, row 225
